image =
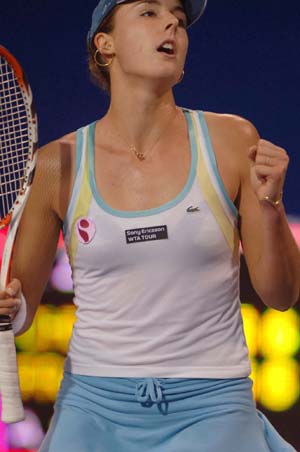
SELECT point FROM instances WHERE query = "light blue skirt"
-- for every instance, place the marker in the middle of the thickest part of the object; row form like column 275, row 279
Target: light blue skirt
column 100, row 414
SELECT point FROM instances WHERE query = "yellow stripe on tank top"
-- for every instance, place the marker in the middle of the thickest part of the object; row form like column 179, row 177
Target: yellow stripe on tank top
column 83, row 201
column 230, row 232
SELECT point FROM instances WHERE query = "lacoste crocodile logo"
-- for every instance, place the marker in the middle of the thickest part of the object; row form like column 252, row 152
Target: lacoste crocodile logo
column 193, row 209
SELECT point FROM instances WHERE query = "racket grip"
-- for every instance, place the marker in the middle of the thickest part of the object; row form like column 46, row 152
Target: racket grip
column 12, row 406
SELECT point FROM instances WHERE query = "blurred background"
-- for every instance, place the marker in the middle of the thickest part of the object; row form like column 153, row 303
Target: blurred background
column 243, row 59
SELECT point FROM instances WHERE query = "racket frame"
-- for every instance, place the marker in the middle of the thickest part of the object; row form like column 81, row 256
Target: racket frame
column 12, row 407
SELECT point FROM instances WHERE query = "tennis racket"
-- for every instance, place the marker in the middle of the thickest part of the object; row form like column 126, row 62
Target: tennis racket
column 18, row 144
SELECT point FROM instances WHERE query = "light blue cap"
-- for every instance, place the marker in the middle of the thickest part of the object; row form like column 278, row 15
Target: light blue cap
column 193, row 9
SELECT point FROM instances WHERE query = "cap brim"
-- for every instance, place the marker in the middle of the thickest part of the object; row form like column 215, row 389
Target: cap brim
column 194, row 10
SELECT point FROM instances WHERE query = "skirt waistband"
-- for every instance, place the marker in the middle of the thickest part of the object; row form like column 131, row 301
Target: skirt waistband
column 156, row 390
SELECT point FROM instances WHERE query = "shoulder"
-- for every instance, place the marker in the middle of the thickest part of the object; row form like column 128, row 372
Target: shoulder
column 55, row 170
column 236, row 129
column 232, row 136
column 57, row 149
column 56, row 156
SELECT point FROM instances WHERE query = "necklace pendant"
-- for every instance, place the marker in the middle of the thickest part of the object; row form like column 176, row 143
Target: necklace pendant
column 140, row 156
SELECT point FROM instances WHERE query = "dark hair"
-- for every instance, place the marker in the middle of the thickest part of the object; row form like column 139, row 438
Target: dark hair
column 100, row 75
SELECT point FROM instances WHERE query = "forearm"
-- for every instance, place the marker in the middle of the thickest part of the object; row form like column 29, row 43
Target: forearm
column 277, row 276
column 32, row 267
column 34, row 253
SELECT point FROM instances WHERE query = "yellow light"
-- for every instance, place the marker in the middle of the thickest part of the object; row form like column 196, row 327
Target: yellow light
column 64, row 320
column 280, row 336
column 40, row 376
column 49, row 368
column 27, row 341
column 27, row 375
column 279, row 386
column 51, row 330
column 251, row 320
column 253, row 377
column 45, row 328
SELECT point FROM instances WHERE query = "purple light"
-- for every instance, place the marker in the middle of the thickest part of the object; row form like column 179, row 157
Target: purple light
column 61, row 276
column 3, row 434
column 27, row 434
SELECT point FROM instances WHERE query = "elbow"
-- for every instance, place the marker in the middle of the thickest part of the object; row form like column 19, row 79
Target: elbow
column 281, row 307
column 281, row 300
column 280, row 293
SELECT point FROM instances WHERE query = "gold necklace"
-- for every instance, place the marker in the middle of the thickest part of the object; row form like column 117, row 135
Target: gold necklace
column 142, row 155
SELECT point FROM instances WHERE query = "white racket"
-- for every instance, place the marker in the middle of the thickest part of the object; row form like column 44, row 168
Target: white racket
column 18, row 145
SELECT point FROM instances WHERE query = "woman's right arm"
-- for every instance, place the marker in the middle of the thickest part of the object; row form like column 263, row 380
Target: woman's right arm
column 37, row 237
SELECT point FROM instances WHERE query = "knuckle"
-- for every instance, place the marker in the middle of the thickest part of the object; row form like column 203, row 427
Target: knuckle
column 262, row 141
column 282, row 168
column 284, row 154
column 16, row 283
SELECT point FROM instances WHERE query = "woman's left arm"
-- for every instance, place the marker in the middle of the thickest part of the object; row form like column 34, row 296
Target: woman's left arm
column 271, row 253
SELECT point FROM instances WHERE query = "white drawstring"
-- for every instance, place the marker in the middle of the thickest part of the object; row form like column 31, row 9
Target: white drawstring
column 149, row 390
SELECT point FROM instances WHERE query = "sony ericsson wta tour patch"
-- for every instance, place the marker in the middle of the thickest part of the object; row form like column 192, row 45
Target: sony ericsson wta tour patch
column 85, row 230
column 146, row 234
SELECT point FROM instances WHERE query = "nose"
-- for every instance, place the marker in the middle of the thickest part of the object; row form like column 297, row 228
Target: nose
column 171, row 21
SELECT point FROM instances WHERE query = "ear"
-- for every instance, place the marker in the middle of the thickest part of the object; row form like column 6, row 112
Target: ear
column 104, row 43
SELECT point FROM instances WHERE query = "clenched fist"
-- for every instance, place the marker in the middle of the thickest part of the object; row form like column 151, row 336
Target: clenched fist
column 268, row 169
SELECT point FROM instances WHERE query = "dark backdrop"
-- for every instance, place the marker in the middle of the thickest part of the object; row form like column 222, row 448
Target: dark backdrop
column 244, row 59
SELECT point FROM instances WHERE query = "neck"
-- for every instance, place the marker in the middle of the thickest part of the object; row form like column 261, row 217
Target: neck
column 139, row 117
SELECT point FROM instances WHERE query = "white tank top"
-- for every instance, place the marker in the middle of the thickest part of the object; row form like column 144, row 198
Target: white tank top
column 156, row 291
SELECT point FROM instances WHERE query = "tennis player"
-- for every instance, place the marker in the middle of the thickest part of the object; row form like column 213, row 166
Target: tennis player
column 153, row 200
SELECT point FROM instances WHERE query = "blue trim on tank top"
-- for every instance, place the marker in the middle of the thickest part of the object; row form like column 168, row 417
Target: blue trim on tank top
column 213, row 162
column 79, row 143
column 147, row 212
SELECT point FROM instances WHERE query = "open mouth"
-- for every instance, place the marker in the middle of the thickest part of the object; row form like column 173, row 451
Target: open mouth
column 167, row 48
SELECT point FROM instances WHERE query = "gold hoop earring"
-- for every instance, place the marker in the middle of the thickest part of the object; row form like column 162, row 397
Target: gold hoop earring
column 101, row 64
column 181, row 77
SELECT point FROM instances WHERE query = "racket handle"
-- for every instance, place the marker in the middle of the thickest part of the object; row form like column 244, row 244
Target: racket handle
column 12, row 406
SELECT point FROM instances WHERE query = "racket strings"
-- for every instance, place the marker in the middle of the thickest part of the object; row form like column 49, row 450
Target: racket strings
column 11, row 174
column 14, row 137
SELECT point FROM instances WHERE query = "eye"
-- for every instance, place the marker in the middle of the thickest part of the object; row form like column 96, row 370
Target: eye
column 182, row 22
column 148, row 13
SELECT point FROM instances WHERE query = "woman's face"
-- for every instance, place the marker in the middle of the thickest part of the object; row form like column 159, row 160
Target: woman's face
column 150, row 39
